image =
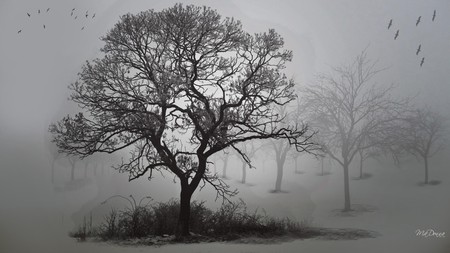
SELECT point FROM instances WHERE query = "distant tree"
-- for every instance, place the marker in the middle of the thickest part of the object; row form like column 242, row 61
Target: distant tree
column 249, row 149
column 224, row 157
column 281, row 148
column 349, row 110
column 54, row 155
column 180, row 85
column 72, row 161
column 423, row 135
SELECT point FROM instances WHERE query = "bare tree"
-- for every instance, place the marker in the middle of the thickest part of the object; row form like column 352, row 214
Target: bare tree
column 180, row 85
column 281, row 148
column 348, row 109
column 423, row 135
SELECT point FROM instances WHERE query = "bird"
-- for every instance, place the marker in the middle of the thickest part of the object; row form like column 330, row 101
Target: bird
column 29, row 15
column 82, row 28
column 73, row 9
column 19, row 31
column 48, row 9
column 418, row 20
column 434, row 15
column 93, row 16
column 86, row 14
column 76, row 17
column 421, row 62
column 418, row 49
column 43, row 26
column 390, row 24
column 39, row 11
column 71, row 14
column 396, row 34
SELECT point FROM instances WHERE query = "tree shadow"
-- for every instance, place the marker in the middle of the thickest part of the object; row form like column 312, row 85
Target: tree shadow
column 246, row 183
column 363, row 177
column 431, row 182
column 278, row 191
column 325, row 173
column 356, row 210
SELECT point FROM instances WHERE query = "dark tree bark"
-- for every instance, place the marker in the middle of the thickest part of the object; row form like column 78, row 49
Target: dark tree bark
column 182, row 229
column 347, row 204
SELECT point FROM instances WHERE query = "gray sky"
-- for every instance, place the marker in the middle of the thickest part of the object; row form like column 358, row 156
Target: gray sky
column 37, row 65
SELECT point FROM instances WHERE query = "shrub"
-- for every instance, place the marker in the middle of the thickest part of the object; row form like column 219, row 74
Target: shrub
column 230, row 221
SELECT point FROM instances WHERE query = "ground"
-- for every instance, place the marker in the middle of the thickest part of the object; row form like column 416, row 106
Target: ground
column 392, row 202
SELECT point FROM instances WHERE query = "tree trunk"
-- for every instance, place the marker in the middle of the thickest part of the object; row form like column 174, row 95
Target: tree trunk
column 361, row 165
column 85, row 171
column 182, row 228
column 53, row 171
column 244, row 172
column 280, row 164
column 425, row 158
column 346, row 189
column 72, row 172
column 225, row 164
column 321, row 162
column 295, row 164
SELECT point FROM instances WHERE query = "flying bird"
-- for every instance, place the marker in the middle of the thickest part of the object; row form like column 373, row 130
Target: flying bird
column 390, row 24
column 39, row 11
column 396, row 34
column 71, row 14
column 418, row 20
column 43, row 26
column 48, row 9
column 76, row 17
column 29, row 15
column 82, row 28
column 73, row 9
column 434, row 15
column 418, row 49
column 421, row 62
column 19, row 31
column 93, row 16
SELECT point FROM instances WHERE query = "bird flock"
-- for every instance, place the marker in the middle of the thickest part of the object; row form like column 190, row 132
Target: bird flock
column 419, row 47
column 72, row 14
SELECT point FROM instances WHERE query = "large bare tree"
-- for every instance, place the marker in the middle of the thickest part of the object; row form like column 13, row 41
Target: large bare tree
column 178, row 86
column 349, row 110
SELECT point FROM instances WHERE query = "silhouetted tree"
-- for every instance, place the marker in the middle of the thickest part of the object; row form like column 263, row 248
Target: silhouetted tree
column 180, row 85
column 349, row 110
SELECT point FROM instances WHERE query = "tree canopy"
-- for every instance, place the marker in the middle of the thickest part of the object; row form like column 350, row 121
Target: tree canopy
column 178, row 86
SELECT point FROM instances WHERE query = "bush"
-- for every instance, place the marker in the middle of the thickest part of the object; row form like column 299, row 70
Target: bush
column 230, row 221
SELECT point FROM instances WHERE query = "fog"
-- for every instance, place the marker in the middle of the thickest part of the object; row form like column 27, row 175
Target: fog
column 38, row 64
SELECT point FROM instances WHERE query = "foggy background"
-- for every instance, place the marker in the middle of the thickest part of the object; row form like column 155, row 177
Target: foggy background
column 37, row 65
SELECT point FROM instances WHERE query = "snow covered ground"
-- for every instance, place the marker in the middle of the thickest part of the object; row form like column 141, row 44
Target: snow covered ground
column 36, row 218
